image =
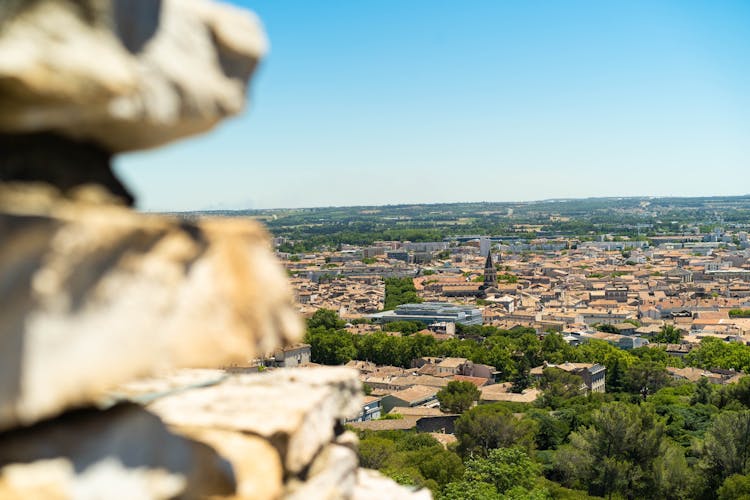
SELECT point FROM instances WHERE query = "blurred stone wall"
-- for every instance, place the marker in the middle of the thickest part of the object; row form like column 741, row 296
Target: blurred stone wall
column 113, row 323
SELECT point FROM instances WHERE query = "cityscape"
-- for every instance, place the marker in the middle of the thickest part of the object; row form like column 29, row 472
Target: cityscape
column 573, row 314
column 423, row 250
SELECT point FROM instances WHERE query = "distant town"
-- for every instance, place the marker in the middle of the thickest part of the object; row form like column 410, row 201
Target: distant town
column 574, row 314
column 566, row 286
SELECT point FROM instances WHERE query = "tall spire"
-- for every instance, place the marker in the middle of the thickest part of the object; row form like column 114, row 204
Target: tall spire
column 490, row 273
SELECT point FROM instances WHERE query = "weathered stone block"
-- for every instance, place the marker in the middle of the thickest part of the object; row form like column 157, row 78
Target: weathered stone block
column 279, row 430
column 297, row 410
column 126, row 74
column 371, row 485
column 94, row 295
column 124, row 452
column 257, row 465
column 331, row 476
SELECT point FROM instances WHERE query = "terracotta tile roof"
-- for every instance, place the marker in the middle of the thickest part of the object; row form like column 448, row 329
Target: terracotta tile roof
column 452, row 362
column 500, row 392
column 477, row 381
column 415, row 393
column 418, row 411
column 405, row 423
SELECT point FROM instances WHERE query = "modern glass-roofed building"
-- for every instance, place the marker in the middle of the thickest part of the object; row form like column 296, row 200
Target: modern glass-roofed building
column 431, row 312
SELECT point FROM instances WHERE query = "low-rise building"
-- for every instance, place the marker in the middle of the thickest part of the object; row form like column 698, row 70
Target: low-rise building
column 502, row 392
column 452, row 366
column 418, row 395
column 372, row 409
column 431, row 312
column 289, row 357
column 592, row 374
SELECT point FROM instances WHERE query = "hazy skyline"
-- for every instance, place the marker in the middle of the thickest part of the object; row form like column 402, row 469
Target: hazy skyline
column 372, row 103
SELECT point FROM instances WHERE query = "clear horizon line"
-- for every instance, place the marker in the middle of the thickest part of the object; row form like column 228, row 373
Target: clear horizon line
column 545, row 200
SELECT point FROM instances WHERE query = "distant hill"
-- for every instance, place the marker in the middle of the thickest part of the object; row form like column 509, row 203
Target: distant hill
column 630, row 216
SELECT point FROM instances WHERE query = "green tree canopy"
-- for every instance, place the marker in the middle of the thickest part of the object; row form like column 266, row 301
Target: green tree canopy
column 645, row 377
column 726, row 449
column 491, row 426
column 410, row 458
column 326, row 318
column 375, row 451
column 399, row 291
column 616, row 360
column 522, row 379
column 616, row 453
column 555, row 349
column 657, row 355
column 674, row 478
column 464, row 490
column 330, row 347
column 735, row 487
column 715, row 353
column 702, row 393
column 558, row 386
column 668, row 334
column 551, row 429
column 434, row 463
column 739, row 392
column 504, row 468
column 405, row 327
column 458, row 396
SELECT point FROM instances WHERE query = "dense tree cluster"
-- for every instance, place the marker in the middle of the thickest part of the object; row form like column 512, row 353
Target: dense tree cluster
column 513, row 352
column 649, row 436
column 404, row 327
column 715, row 353
column 410, row 458
column 458, row 396
column 508, row 471
column 617, row 452
column 399, row 291
column 668, row 334
column 332, row 344
column 599, row 445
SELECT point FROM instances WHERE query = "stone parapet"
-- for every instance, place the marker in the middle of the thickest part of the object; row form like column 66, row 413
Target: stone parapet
column 100, row 306
column 97, row 295
column 126, row 75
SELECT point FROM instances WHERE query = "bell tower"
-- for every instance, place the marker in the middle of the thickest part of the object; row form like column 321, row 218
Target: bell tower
column 490, row 274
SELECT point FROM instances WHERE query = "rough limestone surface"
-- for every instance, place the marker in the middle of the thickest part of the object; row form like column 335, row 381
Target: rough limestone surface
column 296, row 410
column 121, row 453
column 332, row 475
column 280, row 430
column 256, row 463
column 126, row 74
column 371, row 485
column 94, row 295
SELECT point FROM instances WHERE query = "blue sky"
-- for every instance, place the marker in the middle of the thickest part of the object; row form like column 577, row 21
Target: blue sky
column 413, row 101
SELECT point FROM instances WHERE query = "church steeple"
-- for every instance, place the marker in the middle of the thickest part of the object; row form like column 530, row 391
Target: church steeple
column 490, row 273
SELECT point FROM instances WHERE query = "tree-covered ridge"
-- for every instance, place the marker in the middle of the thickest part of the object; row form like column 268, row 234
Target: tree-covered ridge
column 312, row 228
